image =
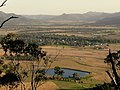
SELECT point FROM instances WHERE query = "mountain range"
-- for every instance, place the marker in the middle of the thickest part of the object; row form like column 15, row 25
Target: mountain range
column 96, row 18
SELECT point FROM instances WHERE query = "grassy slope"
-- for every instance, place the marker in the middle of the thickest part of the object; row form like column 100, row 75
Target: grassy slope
column 86, row 83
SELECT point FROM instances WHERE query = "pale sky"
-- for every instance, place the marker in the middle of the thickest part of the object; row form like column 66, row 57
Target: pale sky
column 53, row 7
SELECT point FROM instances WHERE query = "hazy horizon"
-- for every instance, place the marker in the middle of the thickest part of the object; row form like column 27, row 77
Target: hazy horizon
column 58, row 7
column 58, row 14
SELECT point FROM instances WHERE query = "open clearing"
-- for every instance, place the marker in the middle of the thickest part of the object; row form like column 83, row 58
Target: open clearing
column 81, row 58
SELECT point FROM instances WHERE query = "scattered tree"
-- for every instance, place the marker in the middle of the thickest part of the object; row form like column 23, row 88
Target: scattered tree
column 58, row 71
column 76, row 76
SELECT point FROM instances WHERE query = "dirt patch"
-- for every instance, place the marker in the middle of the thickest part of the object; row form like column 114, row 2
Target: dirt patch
column 48, row 86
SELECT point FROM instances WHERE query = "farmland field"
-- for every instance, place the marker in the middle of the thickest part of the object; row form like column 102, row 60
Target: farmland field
column 86, row 51
column 80, row 58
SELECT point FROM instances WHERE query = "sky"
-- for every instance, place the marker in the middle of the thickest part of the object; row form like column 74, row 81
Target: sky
column 57, row 7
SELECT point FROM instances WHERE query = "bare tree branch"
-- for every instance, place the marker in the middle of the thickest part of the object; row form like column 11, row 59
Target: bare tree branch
column 7, row 20
column 3, row 4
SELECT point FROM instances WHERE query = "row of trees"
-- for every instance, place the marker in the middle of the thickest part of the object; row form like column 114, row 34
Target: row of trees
column 52, row 39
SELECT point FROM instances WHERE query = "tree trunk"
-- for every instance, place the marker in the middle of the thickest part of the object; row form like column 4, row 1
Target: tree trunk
column 32, row 77
column 114, row 72
column 113, row 80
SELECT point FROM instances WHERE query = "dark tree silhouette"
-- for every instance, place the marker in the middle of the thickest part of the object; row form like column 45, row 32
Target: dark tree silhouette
column 15, row 47
column 9, row 79
column 113, row 59
column 6, row 42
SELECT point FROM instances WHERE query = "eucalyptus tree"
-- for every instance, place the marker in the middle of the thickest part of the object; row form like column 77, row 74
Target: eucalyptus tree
column 13, row 47
column 39, row 59
column 17, row 47
column 7, row 41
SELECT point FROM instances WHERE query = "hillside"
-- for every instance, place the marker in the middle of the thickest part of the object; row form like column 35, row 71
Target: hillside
column 40, row 17
column 89, row 16
column 112, row 19
column 19, row 21
column 96, row 18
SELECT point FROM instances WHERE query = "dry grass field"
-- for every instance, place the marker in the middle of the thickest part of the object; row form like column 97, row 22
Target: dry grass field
column 46, row 86
column 80, row 58
column 83, row 58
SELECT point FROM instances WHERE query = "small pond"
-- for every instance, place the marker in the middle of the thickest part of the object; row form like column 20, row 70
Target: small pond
column 69, row 72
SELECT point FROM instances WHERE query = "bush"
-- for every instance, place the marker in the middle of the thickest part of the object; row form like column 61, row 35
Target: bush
column 105, row 86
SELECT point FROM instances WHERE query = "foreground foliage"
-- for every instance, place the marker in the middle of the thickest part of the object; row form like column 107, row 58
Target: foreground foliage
column 113, row 59
column 14, row 48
